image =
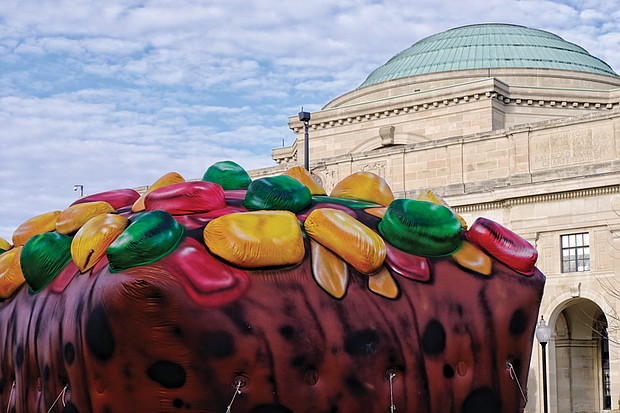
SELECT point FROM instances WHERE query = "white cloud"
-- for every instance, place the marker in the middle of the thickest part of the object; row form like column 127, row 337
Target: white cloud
column 114, row 94
column 591, row 14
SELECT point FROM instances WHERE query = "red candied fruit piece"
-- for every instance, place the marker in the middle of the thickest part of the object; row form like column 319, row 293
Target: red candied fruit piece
column 63, row 278
column 207, row 280
column 118, row 198
column 504, row 245
column 409, row 266
column 186, row 198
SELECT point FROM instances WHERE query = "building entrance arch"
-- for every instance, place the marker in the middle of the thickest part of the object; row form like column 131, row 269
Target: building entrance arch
column 579, row 364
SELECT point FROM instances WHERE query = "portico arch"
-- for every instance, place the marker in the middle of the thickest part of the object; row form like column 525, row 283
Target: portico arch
column 578, row 354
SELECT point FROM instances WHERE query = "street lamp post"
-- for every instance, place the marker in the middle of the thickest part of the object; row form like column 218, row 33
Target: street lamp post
column 81, row 188
column 305, row 118
column 543, row 334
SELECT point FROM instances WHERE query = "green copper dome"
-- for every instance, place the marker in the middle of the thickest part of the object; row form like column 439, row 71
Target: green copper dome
column 487, row 46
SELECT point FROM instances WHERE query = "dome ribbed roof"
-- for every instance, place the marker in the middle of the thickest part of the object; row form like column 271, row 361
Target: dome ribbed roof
column 486, row 46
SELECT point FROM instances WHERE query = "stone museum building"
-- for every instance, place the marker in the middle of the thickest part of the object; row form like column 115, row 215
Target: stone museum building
column 517, row 125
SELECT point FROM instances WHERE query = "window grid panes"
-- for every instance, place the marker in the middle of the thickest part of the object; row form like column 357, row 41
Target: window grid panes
column 576, row 252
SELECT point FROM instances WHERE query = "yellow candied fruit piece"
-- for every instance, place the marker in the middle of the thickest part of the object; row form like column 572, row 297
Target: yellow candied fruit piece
column 90, row 243
column 167, row 179
column 383, row 283
column 329, row 270
column 364, row 186
column 303, row 176
column 71, row 219
column 353, row 241
column 4, row 244
column 256, row 239
column 34, row 226
column 11, row 275
column 472, row 258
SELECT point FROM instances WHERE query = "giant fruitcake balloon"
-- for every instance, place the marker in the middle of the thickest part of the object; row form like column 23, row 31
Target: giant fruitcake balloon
column 265, row 296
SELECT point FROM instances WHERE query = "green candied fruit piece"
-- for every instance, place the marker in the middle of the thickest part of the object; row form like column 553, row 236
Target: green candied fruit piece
column 277, row 193
column 227, row 174
column 421, row 228
column 150, row 237
column 43, row 257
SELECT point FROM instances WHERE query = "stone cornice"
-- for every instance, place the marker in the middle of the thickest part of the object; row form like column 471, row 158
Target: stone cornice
column 560, row 98
column 402, row 105
column 285, row 154
column 558, row 103
column 537, row 199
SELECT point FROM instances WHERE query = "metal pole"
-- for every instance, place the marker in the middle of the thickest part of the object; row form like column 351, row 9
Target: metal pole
column 305, row 118
column 306, row 148
column 544, row 376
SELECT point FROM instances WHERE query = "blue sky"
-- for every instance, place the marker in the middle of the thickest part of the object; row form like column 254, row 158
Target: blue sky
column 114, row 94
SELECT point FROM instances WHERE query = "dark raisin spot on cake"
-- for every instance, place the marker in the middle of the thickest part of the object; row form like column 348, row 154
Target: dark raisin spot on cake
column 434, row 338
column 99, row 336
column 484, row 400
column 361, row 343
column 168, row 374
column 518, row 323
column 287, row 332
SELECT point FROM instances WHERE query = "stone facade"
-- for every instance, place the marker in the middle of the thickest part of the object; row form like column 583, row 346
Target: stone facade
column 536, row 150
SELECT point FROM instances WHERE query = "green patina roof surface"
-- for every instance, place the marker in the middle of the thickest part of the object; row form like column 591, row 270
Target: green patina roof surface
column 484, row 46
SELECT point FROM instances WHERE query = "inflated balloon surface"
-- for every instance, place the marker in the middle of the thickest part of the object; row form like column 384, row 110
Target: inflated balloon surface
column 264, row 296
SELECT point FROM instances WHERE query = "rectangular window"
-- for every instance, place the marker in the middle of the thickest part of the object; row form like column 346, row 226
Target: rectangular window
column 575, row 252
